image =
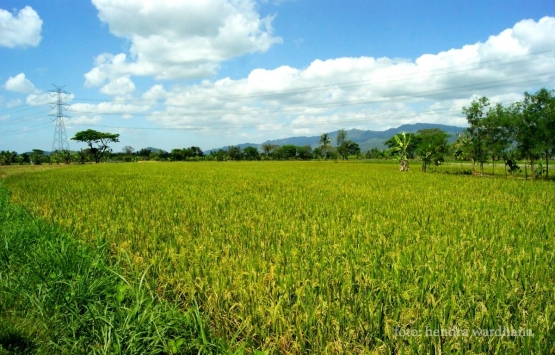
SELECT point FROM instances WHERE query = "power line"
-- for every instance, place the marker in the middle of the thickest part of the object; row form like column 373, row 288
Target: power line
column 23, row 119
column 26, row 129
column 252, row 125
column 352, row 84
column 399, row 97
column 18, row 109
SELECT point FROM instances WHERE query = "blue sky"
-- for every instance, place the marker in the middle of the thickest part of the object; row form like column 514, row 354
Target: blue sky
column 173, row 74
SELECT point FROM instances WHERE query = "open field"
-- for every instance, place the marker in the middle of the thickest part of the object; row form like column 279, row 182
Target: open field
column 60, row 295
column 10, row 170
column 323, row 257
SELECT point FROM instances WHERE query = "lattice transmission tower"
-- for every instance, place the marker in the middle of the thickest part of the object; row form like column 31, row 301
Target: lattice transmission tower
column 60, row 137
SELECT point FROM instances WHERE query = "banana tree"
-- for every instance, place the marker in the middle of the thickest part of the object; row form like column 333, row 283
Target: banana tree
column 7, row 157
column 402, row 143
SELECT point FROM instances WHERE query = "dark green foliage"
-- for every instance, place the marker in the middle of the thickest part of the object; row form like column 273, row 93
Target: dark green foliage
column 286, row 152
column 234, row 153
column 533, row 123
column 37, row 156
column 251, row 153
column 269, row 149
column 325, row 142
column 7, row 157
column 431, row 146
column 97, row 142
column 186, row 153
column 375, row 153
column 476, row 115
column 527, row 125
column 304, row 152
column 347, row 148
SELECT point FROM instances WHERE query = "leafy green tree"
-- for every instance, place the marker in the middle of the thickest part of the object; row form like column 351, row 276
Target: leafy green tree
column 97, row 142
column 497, row 134
column 317, row 153
column 163, row 155
column 196, row 151
column 432, row 146
column 269, row 149
column 286, row 152
column 347, row 148
column 25, row 159
column 218, row 155
column 475, row 116
column 54, row 157
column 128, row 151
column 304, row 152
column 332, row 154
column 325, row 144
column 251, row 153
column 191, row 153
column 147, row 154
column 37, row 156
column 188, row 153
column 525, row 126
column 81, row 156
column 539, row 114
column 177, row 154
column 462, row 147
column 341, row 137
column 375, row 153
column 65, row 156
column 234, row 153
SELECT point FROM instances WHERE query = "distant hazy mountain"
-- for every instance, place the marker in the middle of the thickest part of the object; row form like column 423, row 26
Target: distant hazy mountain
column 366, row 139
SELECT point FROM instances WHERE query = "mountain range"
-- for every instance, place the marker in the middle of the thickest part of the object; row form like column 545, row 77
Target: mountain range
column 365, row 139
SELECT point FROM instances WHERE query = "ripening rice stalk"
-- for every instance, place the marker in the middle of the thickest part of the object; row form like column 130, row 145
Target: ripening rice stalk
column 317, row 257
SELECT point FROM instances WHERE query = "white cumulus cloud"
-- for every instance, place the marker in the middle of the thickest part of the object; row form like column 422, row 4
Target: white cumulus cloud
column 84, row 120
column 21, row 29
column 39, row 99
column 21, row 84
column 365, row 92
column 119, row 87
column 179, row 39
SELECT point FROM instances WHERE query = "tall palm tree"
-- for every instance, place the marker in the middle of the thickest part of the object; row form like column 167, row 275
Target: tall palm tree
column 325, row 142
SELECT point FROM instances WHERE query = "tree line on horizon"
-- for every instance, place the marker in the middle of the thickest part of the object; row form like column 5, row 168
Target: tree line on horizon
column 522, row 131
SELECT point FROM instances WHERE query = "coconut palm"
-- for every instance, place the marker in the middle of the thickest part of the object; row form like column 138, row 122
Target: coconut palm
column 325, row 142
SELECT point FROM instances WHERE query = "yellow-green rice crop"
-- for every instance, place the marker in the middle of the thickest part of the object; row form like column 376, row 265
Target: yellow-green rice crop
column 319, row 257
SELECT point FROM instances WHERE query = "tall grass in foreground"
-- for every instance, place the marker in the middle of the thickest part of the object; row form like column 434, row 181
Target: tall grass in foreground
column 319, row 257
column 58, row 296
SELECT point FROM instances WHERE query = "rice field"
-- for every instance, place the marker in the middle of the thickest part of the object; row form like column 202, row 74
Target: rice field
column 324, row 257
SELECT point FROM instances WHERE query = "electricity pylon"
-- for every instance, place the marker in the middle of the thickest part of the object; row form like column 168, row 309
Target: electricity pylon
column 60, row 137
